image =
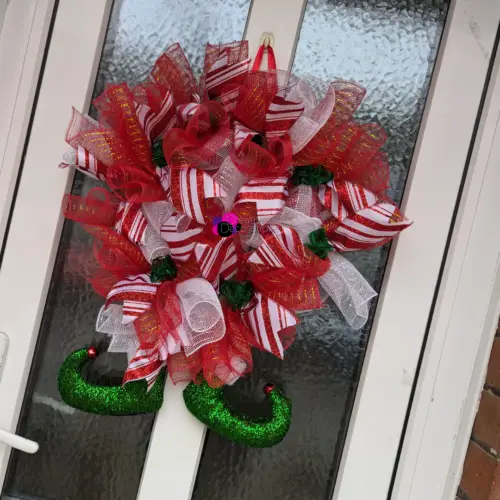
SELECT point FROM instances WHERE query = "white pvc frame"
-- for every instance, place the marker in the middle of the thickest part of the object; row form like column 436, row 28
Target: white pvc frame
column 462, row 329
column 413, row 268
column 23, row 34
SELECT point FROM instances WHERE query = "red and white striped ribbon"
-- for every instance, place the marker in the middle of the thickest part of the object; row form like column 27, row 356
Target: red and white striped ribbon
column 84, row 161
column 181, row 243
column 145, row 365
column 155, row 125
column 223, row 73
column 189, row 190
column 216, row 260
column 131, row 222
column 363, row 220
column 241, row 133
column 267, row 319
column 278, row 247
column 281, row 115
column 268, row 194
column 137, row 294
column 222, row 79
column 186, row 111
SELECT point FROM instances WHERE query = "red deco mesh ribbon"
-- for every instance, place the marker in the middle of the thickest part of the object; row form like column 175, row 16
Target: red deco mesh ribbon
column 114, row 256
column 172, row 70
column 129, row 171
column 205, row 141
column 133, row 184
column 154, row 308
column 255, row 96
column 254, row 160
column 161, row 319
column 221, row 362
column 349, row 150
column 225, row 64
column 285, row 270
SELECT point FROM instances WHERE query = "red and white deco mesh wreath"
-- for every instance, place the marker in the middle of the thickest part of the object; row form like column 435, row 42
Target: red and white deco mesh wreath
column 227, row 206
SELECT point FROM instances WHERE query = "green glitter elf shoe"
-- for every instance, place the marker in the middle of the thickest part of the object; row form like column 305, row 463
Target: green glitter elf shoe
column 131, row 399
column 209, row 406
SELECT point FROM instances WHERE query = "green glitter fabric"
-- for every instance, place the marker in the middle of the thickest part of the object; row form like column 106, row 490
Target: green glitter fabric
column 209, row 406
column 131, row 399
column 237, row 293
column 163, row 269
column 158, row 156
column 311, row 175
column 319, row 244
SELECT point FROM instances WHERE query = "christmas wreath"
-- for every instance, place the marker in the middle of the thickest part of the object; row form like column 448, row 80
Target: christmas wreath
column 227, row 206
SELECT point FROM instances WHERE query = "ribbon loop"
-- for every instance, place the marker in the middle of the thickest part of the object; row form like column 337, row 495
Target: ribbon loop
column 348, row 289
column 202, row 312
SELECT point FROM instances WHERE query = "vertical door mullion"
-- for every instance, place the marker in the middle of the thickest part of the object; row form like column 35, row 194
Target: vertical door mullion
column 177, row 438
column 281, row 18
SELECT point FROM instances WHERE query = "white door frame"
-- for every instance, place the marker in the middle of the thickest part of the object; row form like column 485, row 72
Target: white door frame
column 24, row 28
column 409, row 285
column 462, row 329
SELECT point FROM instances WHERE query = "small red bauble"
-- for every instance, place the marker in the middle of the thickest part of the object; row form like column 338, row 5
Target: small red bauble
column 92, row 352
column 268, row 388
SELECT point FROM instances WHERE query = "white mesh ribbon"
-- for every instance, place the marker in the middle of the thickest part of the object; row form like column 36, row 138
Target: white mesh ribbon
column 314, row 115
column 305, row 199
column 153, row 246
column 343, row 282
column 231, row 180
column 168, row 230
column 124, row 337
column 348, row 289
column 203, row 317
column 298, row 221
column 157, row 213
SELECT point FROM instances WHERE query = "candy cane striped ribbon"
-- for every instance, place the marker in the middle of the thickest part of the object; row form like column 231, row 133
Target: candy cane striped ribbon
column 281, row 115
column 268, row 194
column 189, row 190
column 241, row 133
column 84, row 161
column 278, row 247
column 223, row 79
column 156, row 124
column 131, row 222
column 362, row 220
column 137, row 293
column 216, row 260
column 146, row 364
column 180, row 242
column 267, row 319
column 222, row 72
column 186, row 111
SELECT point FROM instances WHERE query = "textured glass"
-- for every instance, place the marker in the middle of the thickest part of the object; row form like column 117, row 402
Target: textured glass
column 388, row 46
column 83, row 456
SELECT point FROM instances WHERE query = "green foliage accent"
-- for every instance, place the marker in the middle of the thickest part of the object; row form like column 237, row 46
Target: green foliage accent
column 163, row 269
column 311, row 175
column 237, row 293
column 319, row 244
column 158, row 156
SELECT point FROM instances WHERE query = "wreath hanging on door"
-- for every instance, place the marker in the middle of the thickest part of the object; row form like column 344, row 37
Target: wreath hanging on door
column 228, row 205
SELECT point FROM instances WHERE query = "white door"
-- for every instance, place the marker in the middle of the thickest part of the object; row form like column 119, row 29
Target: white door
column 425, row 65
